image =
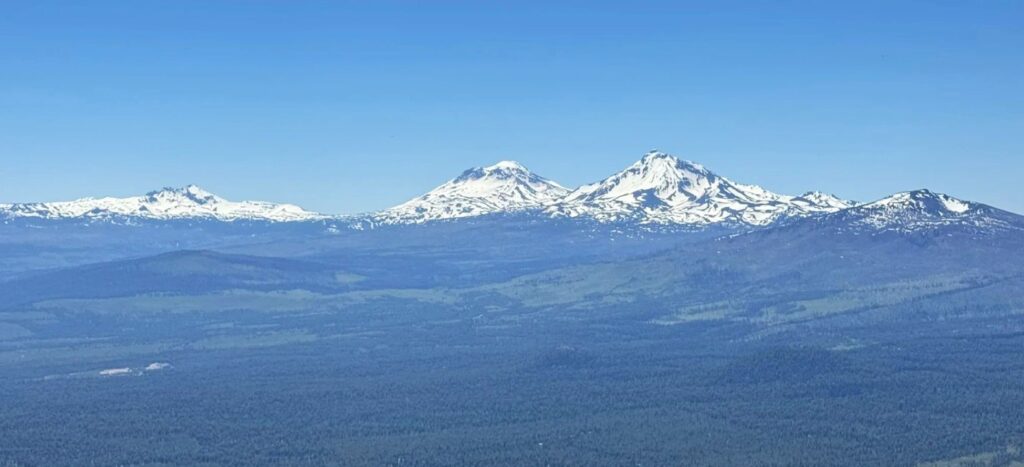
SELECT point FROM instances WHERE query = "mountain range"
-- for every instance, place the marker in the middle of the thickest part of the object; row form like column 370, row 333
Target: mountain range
column 190, row 202
column 659, row 190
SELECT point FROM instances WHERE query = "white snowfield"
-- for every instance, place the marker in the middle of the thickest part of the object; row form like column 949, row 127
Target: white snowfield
column 157, row 366
column 115, row 372
column 168, row 203
column 659, row 189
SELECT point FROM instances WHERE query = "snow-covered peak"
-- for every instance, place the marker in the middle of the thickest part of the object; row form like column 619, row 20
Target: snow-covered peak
column 656, row 157
column 823, row 201
column 189, row 202
column 663, row 189
column 924, row 201
column 669, row 178
column 922, row 210
column 508, row 165
column 190, row 194
column 504, row 187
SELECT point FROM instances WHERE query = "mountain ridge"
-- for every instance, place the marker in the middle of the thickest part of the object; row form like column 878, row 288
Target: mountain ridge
column 167, row 203
column 659, row 190
column 920, row 211
column 663, row 189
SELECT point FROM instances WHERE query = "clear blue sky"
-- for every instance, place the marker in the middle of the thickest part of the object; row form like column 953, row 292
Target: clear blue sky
column 346, row 107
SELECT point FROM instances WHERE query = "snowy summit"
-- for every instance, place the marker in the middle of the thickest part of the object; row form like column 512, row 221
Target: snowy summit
column 505, row 187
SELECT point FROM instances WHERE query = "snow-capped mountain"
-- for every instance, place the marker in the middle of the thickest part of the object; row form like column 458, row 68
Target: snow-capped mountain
column 658, row 190
column 662, row 189
column 505, row 187
column 922, row 210
column 190, row 202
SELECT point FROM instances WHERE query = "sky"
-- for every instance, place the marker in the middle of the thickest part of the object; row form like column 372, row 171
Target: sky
column 345, row 107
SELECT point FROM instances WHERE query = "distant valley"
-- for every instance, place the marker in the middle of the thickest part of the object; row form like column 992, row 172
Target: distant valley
column 665, row 302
